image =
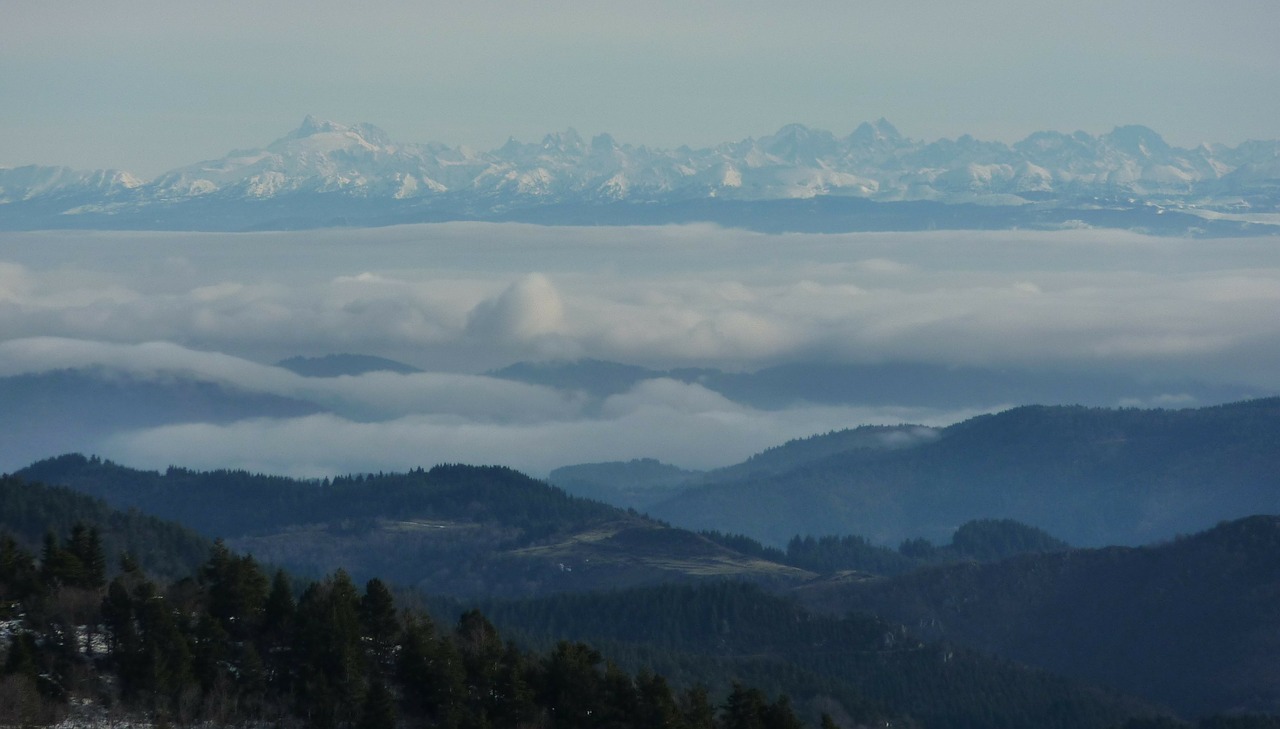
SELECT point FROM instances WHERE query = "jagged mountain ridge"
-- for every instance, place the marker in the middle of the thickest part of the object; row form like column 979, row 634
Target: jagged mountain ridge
column 875, row 162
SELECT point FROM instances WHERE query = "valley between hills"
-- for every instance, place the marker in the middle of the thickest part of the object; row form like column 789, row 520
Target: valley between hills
column 1021, row 616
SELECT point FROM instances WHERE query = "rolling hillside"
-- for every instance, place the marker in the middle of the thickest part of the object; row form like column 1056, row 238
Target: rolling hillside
column 1091, row 476
column 1191, row 623
column 454, row 530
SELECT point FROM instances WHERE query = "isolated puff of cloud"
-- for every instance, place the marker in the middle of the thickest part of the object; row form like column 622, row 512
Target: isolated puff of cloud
column 529, row 308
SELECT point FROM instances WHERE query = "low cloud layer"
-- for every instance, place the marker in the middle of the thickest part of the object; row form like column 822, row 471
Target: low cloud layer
column 387, row 421
column 706, row 433
column 458, row 299
column 372, row 396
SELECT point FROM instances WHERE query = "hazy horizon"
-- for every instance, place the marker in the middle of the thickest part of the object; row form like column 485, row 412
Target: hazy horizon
column 155, row 85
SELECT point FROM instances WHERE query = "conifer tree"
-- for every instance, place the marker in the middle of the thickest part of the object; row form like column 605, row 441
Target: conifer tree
column 236, row 589
column 571, row 684
column 430, row 671
column 695, row 708
column 164, row 665
column 378, row 710
column 117, row 615
column 86, row 547
column 481, row 650
column 23, row 658
column 380, row 625
column 276, row 637
column 59, row 566
column 779, row 715
column 656, row 705
column 328, row 651
column 512, row 698
column 743, row 709
column 619, row 702
column 212, row 652
column 18, row 576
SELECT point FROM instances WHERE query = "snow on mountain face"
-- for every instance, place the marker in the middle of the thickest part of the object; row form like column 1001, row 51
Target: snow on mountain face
column 874, row 161
column 319, row 156
column 31, row 181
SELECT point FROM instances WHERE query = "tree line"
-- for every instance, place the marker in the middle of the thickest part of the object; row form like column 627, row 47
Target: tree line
column 232, row 644
column 980, row 540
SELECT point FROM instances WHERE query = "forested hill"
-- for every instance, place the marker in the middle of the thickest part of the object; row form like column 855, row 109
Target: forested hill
column 1091, row 476
column 457, row 530
column 236, row 503
column 229, row 646
column 29, row 512
column 1192, row 623
column 857, row 667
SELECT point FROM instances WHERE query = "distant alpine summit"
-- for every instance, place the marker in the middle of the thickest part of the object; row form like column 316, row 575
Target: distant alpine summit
column 327, row 173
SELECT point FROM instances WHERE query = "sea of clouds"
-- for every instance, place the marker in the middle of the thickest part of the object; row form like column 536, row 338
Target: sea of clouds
column 460, row 299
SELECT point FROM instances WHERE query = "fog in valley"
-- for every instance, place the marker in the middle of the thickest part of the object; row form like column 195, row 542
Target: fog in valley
column 142, row 316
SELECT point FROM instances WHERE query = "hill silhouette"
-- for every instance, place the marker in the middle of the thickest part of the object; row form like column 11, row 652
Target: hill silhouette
column 1091, row 476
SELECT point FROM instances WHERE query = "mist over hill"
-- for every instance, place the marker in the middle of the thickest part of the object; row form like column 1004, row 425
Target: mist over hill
column 908, row 384
column 1092, row 476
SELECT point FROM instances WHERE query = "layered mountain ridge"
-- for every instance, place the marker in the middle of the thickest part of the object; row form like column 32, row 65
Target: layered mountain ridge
column 361, row 163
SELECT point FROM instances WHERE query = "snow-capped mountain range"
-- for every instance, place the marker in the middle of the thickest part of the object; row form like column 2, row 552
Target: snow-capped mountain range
column 325, row 160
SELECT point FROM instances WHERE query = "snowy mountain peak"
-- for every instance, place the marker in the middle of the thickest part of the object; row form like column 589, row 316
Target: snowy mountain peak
column 312, row 125
column 875, row 133
column 1139, row 141
column 360, row 161
column 567, row 142
column 886, row 130
column 798, row 144
column 603, row 143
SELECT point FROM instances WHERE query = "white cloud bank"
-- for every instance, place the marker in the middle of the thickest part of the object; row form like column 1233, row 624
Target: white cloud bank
column 388, row 421
column 467, row 297
column 456, row 299
column 674, row 422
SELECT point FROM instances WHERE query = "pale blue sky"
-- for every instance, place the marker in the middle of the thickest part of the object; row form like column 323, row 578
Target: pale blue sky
column 150, row 85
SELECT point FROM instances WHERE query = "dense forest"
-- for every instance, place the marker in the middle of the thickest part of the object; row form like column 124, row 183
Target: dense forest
column 29, row 512
column 455, row 530
column 856, row 667
column 981, row 540
column 464, row 530
column 1191, row 623
column 230, row 644
column 908, row 635
column 233, row 503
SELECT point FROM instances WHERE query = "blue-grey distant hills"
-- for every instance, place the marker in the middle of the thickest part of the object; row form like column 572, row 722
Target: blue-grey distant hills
column 1091, row 476
column 327, row 174
column 338, row 365
column 912, row 384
